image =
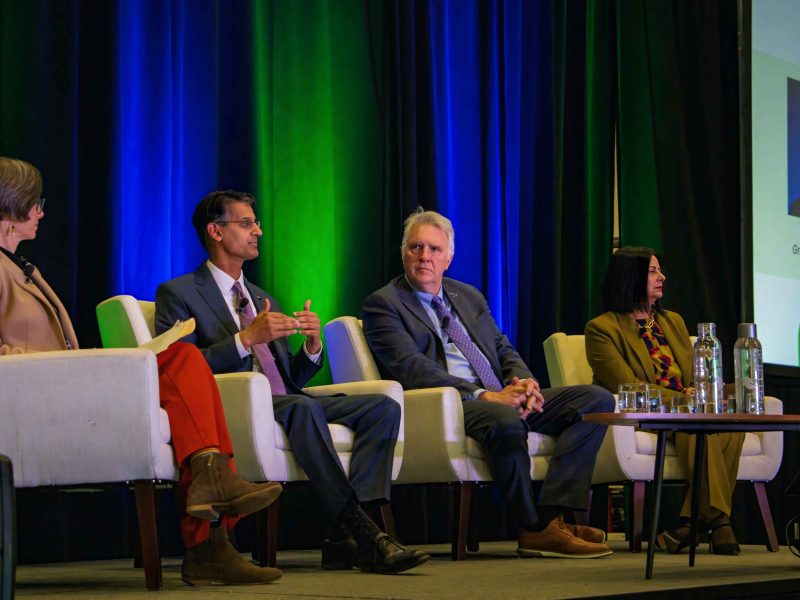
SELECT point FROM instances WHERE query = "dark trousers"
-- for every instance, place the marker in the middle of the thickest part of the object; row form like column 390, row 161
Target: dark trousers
column 505, row 437
column 374, row 418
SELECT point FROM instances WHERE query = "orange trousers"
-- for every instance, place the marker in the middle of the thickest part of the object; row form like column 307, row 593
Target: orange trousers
column 190, row 396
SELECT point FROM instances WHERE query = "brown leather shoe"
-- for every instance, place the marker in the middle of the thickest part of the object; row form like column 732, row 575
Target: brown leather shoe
column 557, row 541
column 590, row 534
column 216, row 488
column 217, row 561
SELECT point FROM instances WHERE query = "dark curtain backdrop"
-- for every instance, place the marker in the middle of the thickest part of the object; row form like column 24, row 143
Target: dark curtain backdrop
column 585, row 105
column 679, row 153
column 343, row 116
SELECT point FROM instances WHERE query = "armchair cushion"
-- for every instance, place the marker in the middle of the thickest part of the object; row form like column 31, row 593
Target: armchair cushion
column 83, row 416
column 352, row 360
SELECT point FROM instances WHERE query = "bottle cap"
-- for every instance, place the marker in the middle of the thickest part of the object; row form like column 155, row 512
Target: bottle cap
column 746, row 330
column 706, row 329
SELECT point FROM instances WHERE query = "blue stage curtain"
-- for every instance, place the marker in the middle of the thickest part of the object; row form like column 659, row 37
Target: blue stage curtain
column 145, row 106
column 166, row 138
column 478, row 74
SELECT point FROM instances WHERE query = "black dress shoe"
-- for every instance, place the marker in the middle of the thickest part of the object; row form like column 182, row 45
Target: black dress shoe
column 339, row 555
column 387, row 556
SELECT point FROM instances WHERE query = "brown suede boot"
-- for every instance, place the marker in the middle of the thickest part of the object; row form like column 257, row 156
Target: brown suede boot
column 217, row 489
column 217, row 561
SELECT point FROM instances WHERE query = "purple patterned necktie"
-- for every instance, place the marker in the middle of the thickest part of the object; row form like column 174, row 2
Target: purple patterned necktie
column 261, row 351
column 468, row 348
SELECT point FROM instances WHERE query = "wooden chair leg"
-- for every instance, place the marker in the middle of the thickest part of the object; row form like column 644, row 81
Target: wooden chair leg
column 766, row 516
column 269, row 534
column 635, row 544
column 388, row 519
column 462, row 496
column 8, row 538
column 144, row 492
column 473, row 526
column 259, row 547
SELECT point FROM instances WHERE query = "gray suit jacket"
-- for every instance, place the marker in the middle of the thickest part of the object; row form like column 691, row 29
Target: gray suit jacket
column 407, row 348
column 197, row 295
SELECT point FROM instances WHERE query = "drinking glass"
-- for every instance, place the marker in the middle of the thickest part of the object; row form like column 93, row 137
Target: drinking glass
column 654, row 399
column 632, row 398
column 684, row 403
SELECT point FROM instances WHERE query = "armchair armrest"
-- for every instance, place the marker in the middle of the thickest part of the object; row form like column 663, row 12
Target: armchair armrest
column 247, row 402
column 435, row 433
column 379, row 386
column 83, row 416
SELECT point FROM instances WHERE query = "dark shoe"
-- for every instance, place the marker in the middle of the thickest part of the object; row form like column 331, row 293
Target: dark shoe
column 723, row 541
column 339, row 555
column 216, row 488
column 675, row 540
column 589, row 534
column 217, row 561
column 558, row 541
column 387, row 557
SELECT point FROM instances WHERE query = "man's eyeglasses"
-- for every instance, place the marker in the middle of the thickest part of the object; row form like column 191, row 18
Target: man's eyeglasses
column 243, row 223
column 40, row 204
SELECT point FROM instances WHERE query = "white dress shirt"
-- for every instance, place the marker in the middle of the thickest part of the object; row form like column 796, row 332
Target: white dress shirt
column 225, row 284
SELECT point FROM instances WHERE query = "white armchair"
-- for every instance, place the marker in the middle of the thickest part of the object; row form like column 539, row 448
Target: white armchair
column 260, row 444
column 73, row 418
column 438, row 450
column 629, row 455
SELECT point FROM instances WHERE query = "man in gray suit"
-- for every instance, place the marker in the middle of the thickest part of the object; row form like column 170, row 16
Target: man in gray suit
column 239, row 327
column 426, row 330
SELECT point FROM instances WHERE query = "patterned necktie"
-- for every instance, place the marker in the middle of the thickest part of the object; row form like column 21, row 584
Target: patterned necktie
column 261, row 351
column 468, row 348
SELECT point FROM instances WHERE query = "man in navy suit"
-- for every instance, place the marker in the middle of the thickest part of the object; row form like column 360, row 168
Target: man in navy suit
column 426, row 330
column 239, row 327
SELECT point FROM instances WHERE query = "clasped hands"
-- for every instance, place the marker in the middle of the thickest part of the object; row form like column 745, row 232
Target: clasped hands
column 268, row 326
column 522, row 394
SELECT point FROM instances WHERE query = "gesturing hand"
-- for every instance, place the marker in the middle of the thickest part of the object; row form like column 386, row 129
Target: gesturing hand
column 268, row 326
column 309, row 327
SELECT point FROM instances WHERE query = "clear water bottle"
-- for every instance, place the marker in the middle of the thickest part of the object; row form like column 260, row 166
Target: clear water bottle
column 708, row 383
column 749, row 370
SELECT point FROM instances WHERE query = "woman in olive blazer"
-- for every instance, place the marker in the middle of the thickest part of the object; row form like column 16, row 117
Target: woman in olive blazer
column 636, row 340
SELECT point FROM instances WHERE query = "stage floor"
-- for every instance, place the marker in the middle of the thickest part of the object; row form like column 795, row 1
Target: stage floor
column 494, row 572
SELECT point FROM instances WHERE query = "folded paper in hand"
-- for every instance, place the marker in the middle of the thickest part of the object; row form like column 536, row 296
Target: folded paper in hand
column 161, row 342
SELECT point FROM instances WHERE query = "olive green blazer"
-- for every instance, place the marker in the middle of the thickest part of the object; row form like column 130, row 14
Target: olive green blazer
column 618, row 355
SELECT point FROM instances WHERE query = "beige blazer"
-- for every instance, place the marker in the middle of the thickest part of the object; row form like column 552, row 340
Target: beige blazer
column 28, row 320
column 618, row 355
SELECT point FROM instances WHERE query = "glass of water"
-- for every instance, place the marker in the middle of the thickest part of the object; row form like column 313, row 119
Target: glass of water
column 632, row 398
column 684, row 403
column 654, row 399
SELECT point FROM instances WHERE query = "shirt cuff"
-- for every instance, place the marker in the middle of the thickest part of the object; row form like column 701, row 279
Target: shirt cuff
column 477, row 394
column 243, row 352
column 315, row 358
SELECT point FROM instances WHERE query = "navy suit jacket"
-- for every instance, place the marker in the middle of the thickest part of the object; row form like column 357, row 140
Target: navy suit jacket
column 197, row 295
column 407, row 348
